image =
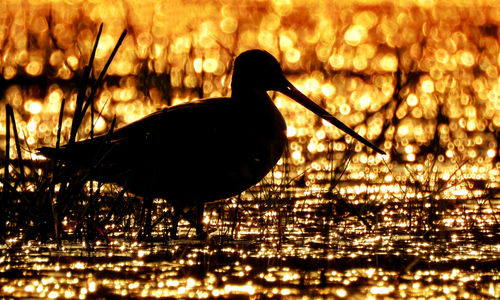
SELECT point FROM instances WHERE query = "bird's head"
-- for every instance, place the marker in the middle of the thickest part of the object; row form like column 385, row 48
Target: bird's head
column 257, row 69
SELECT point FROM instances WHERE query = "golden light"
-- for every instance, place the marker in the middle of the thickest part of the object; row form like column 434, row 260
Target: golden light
column 34, row 68
column 291, row 131
column 412, row 100
column 345, row 109
column 417, row 77
column 328, row 89
column 428, row 86
column 364, row 102
column 336, row 61
column 292, row 55
column 466, row 58
column 33, row 106
column 72, row 62
column 210, row 65
column 389, row 63
column 355, row 35
column 198, row 65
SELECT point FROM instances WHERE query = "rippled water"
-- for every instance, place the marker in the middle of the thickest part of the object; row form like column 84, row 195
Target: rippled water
column 420, row 78
column 304, row 248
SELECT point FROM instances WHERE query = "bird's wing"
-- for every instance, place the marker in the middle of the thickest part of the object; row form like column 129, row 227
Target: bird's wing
column 171, row 119
column 181, row 124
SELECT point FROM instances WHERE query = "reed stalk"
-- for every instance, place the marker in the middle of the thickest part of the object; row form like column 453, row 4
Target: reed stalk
column 7, row 145
column 10, row 113
column 5, row 193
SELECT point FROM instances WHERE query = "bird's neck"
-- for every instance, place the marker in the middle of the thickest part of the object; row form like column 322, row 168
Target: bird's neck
column 253, row 95
column 257, row 104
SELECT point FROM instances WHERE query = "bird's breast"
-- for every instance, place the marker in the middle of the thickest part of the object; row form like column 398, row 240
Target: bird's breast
column 213, row 151
column 264, row 139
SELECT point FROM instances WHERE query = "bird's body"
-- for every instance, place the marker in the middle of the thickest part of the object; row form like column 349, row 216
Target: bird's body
column 200, row 151
column 190, row 153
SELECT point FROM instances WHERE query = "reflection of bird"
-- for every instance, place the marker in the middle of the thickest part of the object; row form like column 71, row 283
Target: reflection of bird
column 202, row 150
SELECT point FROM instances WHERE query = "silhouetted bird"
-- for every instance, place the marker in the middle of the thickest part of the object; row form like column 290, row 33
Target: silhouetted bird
column 203, row 150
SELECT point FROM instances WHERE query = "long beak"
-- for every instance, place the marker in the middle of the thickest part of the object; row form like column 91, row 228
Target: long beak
column 296, row 95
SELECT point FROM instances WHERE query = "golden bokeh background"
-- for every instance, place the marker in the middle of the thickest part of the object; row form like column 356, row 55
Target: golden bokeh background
column 420, row 78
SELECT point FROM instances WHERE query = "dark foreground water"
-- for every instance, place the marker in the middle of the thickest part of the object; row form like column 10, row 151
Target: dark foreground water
column 308, row 248
column 419, row 78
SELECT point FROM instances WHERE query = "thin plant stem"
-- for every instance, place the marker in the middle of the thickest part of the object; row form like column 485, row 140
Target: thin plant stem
column 79, row 111
column 7, row 143
column 5, row 192
column 55, row 166
column 10, row 111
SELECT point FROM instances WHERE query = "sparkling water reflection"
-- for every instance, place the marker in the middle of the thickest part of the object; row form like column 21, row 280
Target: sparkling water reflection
column 420, row 78
column 314, row 256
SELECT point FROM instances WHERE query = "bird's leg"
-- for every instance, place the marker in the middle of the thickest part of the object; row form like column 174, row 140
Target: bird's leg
column 148, row 206
column 200, row 233
column 175, row 221
column 195, row 217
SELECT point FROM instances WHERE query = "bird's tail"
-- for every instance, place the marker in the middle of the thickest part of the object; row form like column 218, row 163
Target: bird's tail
column 79, row 152
column 49, row 152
